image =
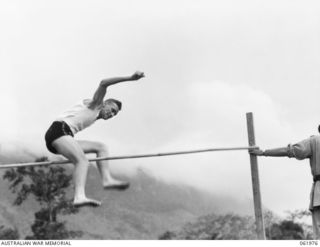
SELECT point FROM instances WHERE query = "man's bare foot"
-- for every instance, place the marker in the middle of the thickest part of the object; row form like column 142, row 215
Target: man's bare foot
column 86, row 202
column 116, row 185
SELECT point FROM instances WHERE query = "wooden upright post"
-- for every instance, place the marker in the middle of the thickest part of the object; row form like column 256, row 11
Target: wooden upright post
column 255, row 180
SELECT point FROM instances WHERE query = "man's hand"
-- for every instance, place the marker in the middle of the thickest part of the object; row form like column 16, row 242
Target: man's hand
column 137, row 75
column 257, row 152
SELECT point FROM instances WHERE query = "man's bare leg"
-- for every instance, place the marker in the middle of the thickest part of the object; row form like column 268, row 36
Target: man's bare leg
column 108, row 181
column 70, row 149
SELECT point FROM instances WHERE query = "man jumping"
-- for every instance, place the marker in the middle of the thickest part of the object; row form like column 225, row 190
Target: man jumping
column 59, row 138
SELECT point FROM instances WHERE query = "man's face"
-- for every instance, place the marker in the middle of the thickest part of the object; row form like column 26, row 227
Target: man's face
column 109, row 110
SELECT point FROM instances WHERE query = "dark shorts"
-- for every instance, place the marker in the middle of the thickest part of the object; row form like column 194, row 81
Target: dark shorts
column 56, row 130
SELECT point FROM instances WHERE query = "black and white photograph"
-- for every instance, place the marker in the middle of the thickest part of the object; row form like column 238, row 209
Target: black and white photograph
column 159, row 120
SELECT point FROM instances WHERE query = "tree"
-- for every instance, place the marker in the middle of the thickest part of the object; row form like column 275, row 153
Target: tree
column 293, row 227
column 287, row 230
column 48, row 186
column 231, row 226
column 298, row 214
column 215, row 227
column 168, row 235
column 269, row 219
column 8, row 233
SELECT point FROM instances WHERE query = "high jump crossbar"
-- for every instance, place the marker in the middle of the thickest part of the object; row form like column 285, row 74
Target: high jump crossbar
column 45, row 163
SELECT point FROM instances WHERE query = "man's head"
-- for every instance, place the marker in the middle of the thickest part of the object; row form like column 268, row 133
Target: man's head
column 110, row 108
column 319, row 128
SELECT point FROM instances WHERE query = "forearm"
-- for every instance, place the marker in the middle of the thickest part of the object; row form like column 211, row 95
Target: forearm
column 276, row 152
column 102, row 89
column 111, row 81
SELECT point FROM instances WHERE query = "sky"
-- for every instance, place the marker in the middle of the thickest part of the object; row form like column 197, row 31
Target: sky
column 206, row 62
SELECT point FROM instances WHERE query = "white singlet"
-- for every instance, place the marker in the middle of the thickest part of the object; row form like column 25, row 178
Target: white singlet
column 79, row 116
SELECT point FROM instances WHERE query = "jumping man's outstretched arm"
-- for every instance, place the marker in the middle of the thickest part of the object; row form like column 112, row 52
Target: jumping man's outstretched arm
column 102, row 89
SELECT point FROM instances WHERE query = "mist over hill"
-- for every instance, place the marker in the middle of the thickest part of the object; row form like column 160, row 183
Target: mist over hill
column 144, row 211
